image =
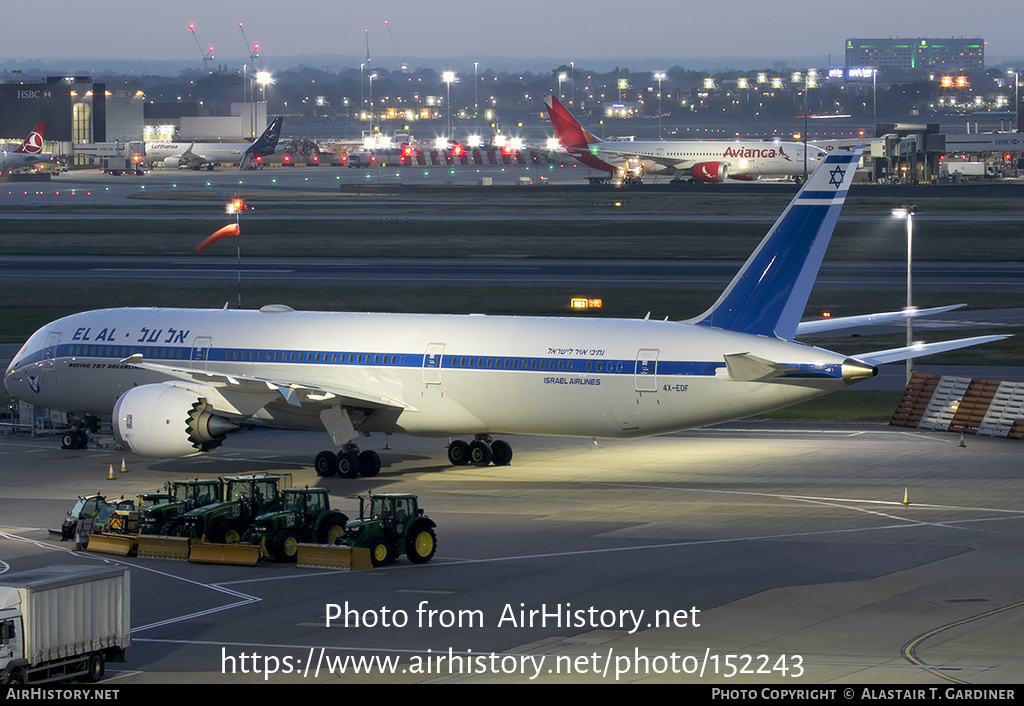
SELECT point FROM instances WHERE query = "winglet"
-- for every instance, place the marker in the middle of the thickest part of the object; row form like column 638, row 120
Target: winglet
column 769, row 293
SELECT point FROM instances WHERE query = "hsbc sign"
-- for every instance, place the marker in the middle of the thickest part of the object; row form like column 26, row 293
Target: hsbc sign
column 34, row 94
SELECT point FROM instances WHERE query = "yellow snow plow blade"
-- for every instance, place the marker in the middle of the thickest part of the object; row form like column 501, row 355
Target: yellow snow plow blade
column 237, row 553
column 159, row 546
column 329, row 556
column 120, row 544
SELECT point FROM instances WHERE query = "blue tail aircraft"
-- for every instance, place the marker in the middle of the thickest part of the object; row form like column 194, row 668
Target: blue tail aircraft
column 177, row 381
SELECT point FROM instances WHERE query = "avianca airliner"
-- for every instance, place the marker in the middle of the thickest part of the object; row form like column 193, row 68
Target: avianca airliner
column 700, row 160
column 30, row 152
column 177, row 381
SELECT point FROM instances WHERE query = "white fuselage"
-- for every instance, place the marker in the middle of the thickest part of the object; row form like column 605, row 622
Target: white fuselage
column 746, row 158
column 230, row 152
column 436, row 374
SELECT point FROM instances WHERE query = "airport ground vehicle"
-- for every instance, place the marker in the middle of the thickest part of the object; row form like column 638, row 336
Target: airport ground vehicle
column 91, row 507
column 245, row 498
column 125, row 519
column 184, row 495
column 305, row 516
column 389, row 525
column 63, row 622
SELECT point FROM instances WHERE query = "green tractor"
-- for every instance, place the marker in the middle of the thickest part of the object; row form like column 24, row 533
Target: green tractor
column 125, row 519
column 389, row 525
column 245, row 498
column 167, row 518
column 305, row 516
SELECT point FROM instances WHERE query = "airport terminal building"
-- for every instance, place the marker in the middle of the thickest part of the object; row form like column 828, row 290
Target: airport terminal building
column 907, row 54
column 74, row 108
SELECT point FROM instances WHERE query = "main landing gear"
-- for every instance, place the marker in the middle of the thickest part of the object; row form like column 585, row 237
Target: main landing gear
column 347, row 463
column 481, row 451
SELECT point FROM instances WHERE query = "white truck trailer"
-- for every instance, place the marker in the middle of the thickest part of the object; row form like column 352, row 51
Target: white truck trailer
column 63, row 622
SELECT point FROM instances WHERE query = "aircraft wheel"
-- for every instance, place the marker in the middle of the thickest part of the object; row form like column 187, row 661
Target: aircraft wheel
column 369, row 464
column 325, row 464
column 480, row 453
column 348, row 464
column 458, row 453
column 69, row 440
column 501, row 453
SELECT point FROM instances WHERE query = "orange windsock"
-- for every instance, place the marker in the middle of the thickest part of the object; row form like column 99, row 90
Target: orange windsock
column 224, row 232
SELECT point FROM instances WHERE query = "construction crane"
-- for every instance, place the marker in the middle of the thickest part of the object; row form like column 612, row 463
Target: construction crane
column 401, row 62
column 208, row 54
column 253, row 49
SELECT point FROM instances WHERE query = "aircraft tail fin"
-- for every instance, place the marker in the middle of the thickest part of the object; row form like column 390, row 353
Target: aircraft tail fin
column 267, row 142
column 769, row 293
column 568, row 130
column 33, row 144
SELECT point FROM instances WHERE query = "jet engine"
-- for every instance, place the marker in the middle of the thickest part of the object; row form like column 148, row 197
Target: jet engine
column 172, row 162
column 164, row 421
column 710, row 172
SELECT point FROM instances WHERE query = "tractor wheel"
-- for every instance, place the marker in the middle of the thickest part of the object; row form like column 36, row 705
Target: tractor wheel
column 501, row 453
column 170, row 528
column 420, row 544
column 332, row 529
column 285, row 545
column 326, row 464
column 227, row 532
column 380, row 552
column 458, row 453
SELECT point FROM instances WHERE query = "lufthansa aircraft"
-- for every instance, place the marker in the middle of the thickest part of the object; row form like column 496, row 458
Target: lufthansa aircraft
column 30, row 152
column 177, row 381
column 196, row 155
column 707, row 161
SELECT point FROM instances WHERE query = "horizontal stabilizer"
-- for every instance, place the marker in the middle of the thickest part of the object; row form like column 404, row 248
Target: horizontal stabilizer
column 745, row 367
column 805, row 328
column 919, row 350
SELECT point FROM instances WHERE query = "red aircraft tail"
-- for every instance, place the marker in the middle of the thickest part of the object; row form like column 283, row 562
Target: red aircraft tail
column 570, row 133
column 33, row 144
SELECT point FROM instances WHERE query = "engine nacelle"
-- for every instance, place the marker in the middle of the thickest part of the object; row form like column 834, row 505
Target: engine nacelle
column 710, row 172
column 164, row 421
column 172, row 162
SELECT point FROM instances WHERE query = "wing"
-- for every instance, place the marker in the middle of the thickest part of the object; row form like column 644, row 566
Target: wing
column 919, row 350
column 243, row 395
column 819, row 325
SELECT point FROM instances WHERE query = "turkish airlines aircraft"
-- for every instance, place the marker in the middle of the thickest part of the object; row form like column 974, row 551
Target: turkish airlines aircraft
column 30, row 152
column 177, row 381
column 196, row 155
column 700, row 160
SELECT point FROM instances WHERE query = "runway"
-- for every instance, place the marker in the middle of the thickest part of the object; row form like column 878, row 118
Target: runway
column 491, row 271
column 785, row 547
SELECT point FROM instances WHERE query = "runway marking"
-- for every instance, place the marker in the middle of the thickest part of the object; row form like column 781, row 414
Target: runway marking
column 245, row 598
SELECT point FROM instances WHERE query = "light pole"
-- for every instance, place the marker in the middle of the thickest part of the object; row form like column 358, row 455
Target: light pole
column 908, row 213
column 659, row 76
column 448, row 77
column 476, row 89
column 561, row 77
column 372, row 76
